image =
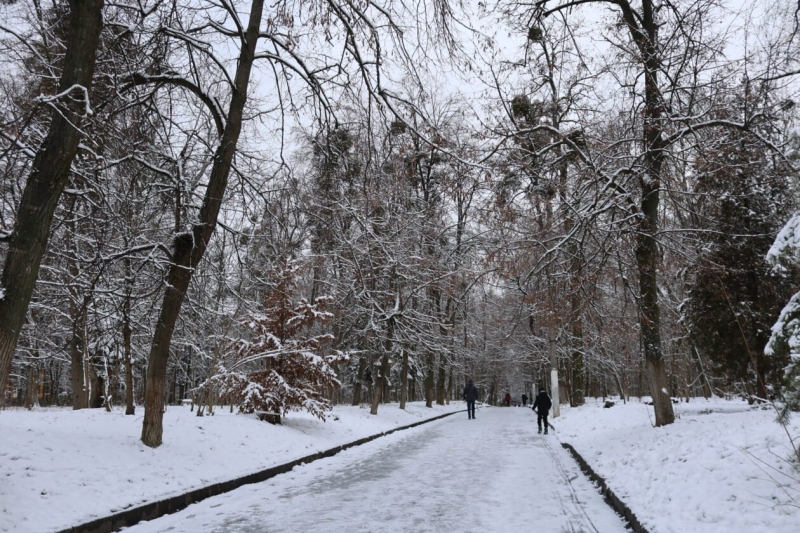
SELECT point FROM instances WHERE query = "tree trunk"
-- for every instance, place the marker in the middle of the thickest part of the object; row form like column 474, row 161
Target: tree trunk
column 578, row 367
column 95, row 382
column 429, row 380
column 554, row 392
column 450, row 395
column 647, row 257
column 383, row 378
column 188, row 248
column 707, row 390
column 48, row 178
column 377, row 393
column 440, row 382
column 31, row 387
column 362, row 367
column 130, row 407
column 404, row 380
column 80, row 384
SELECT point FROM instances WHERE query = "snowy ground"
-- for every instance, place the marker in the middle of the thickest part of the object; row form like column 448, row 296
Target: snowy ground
column 59, row 468
column 492, row 474
column 721, row 467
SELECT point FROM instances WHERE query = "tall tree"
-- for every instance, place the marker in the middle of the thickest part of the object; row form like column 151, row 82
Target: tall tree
column 666, row 109
column 188, row 248
column 49, row 174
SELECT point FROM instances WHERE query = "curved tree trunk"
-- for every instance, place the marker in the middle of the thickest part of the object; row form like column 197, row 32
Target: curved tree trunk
column 48, row 178
column 188, row 248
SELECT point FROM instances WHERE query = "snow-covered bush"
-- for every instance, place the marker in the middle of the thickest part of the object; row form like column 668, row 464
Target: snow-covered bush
column 278, row 368
column 785, row 253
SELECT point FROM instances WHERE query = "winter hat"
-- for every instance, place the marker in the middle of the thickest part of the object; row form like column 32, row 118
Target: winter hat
column 541, row 389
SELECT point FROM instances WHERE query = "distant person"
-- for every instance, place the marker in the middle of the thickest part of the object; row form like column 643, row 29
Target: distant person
column 524, row 400
column 544, row 404
column 507, row 399
column 470, row 395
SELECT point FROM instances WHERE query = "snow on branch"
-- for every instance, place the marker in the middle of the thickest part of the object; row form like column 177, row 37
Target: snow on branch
column 785, row 338
column 80, row 88
column 278, row 368
column 786, row 248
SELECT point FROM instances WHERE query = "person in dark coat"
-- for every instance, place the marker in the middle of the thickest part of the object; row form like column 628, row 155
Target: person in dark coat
column 507, row 399
column 524, row 400
column 470, row 395
column 544, row 404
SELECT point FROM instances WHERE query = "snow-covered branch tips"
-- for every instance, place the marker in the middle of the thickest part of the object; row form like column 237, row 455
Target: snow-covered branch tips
column 280, row 366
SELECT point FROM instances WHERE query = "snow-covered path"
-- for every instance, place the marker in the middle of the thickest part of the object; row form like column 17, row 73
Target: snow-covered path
column 490, row 474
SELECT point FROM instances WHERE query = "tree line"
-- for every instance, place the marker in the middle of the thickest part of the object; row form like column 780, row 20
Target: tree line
column 277, row 207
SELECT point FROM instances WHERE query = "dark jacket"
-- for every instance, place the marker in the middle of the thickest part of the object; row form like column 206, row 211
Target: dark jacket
column 543, row 402
column 470, row 392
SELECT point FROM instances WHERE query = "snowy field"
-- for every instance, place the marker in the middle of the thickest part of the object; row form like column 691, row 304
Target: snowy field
column 60, row 468
column 721, row 467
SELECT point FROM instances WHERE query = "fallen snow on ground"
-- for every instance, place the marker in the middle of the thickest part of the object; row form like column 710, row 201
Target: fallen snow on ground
column 493, row 474
column 721, row 467
column 59, row 467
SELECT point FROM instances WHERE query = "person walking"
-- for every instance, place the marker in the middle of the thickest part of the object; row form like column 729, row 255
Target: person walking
column 470, row 395
column 507, row 399
column 524, row 400
column 544, row 404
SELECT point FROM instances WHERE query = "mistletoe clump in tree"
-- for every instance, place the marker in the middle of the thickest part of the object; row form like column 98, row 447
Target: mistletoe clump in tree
column 279, row 368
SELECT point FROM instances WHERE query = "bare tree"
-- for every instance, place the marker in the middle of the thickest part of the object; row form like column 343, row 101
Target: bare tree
column 49, row 175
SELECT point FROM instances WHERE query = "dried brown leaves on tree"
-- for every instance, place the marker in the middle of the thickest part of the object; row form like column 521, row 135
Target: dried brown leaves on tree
column 278, row 368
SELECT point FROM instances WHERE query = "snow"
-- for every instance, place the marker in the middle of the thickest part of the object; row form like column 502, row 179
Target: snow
column 60, row 467
column 786, row 247
column 722, row 466
column 788, row 327
column 490, row 474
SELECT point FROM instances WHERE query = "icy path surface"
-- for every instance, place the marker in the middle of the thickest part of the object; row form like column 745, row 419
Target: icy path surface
column 454, row 475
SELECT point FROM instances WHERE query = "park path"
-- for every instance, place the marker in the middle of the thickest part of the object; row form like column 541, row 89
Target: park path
column 491, row 474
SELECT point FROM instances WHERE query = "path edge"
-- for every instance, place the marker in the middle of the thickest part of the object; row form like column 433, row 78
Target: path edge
column 159, row 508
column 608, row 495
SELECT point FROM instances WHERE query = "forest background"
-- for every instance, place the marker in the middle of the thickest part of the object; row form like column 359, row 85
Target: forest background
column 299, row 204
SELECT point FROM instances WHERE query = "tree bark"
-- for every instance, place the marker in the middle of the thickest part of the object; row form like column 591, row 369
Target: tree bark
column 130, row 407
column 31, row 388
column 188, row 248
column 429, row 379
column 440, row 381
column 383, row 378
column 48, row 178
column 404, row 380
column 80, row 385
column 578, row 366
column 362, row 367
column 645, row 36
